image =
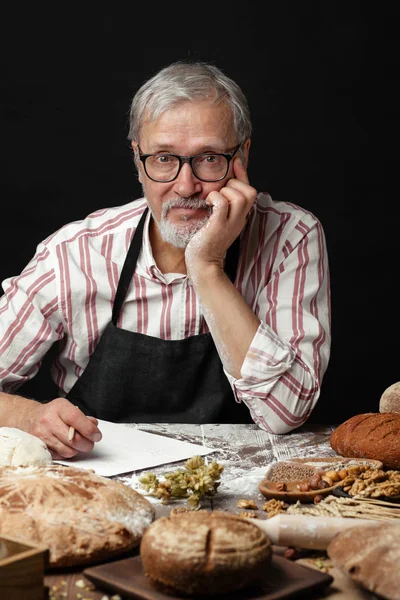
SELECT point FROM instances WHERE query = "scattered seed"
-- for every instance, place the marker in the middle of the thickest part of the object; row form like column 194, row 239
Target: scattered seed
column 250, row 504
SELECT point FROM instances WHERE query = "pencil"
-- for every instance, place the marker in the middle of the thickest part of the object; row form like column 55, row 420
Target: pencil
column 71, row 434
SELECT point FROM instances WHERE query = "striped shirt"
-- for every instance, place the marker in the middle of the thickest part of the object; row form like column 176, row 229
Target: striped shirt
column 66, row 292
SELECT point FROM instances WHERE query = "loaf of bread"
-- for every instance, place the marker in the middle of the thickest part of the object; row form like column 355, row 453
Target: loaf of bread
column 369, row 435
column 80, row 516
column 390, row 399
column 204, row 553
column 370, row 555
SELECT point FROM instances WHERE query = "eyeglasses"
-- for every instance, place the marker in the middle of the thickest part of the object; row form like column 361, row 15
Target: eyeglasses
column 209, row 166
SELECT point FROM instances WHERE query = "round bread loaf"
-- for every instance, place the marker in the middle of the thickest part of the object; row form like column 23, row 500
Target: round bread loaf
column 390, row 399
column 369, row 435
column 204, row 553
column 370, row 555
column 80, row 516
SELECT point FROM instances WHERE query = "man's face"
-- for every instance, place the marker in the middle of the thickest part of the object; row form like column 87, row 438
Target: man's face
column 179, row 207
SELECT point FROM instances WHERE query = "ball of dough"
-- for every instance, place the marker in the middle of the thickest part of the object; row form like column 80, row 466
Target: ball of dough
column 21, row 449
column 390, row 399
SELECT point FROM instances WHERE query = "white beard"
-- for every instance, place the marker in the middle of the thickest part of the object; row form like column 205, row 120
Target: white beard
column 180, row 234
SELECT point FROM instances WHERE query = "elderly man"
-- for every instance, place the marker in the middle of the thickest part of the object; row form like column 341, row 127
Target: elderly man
column 203, row 301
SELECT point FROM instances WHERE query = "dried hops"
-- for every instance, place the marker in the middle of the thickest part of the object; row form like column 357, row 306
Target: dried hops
column 193, row 482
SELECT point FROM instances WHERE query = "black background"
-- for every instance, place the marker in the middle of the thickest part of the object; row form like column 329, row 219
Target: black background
column 320, row 79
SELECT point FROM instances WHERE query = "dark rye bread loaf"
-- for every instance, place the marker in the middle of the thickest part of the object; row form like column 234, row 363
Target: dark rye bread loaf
column 370, row 435
column 204, row 553
column 370, row 555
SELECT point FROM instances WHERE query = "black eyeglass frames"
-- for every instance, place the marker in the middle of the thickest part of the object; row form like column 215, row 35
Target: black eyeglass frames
column 208, row 166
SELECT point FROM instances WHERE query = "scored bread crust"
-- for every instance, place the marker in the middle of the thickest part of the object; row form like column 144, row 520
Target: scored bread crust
column 204, row 553
column 369, row 435
column 80, row 516
column 370, row 555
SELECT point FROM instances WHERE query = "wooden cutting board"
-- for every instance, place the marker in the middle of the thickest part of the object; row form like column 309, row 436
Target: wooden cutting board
column 283, row 579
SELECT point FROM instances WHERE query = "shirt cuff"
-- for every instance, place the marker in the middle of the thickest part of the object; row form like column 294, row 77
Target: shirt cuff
column 267, row 358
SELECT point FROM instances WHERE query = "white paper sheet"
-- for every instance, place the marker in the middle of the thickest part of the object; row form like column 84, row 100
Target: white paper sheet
column 124, row 449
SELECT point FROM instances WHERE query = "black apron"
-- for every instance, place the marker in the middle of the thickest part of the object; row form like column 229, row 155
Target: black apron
column 132, row 377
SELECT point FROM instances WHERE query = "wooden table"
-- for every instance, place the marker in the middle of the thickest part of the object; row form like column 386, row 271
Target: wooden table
column 245, row 451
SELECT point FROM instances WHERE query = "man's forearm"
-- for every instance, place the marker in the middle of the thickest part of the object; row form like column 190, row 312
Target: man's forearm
column 15, row 411
column 231, row 321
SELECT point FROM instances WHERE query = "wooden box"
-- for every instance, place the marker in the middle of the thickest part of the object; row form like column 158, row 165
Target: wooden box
column 22, row 570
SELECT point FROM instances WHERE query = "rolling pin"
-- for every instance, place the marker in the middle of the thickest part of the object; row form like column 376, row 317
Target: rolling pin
column 303, row 531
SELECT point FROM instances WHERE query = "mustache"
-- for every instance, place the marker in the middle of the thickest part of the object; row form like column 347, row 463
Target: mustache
column 179, row 202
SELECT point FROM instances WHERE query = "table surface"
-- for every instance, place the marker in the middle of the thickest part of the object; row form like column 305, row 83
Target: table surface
column 245, row 451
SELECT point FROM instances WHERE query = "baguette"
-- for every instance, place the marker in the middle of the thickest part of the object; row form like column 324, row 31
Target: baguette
column 370, row 555
column 369, row 435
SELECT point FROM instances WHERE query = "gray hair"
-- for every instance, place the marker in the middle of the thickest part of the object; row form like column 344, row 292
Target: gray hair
column 188, row 81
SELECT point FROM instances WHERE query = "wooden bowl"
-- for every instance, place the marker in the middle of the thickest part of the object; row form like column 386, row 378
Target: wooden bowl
column 269, row 486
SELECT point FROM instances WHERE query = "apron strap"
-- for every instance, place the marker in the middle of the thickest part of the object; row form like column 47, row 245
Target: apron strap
column 129, row 268
column 232, row 259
